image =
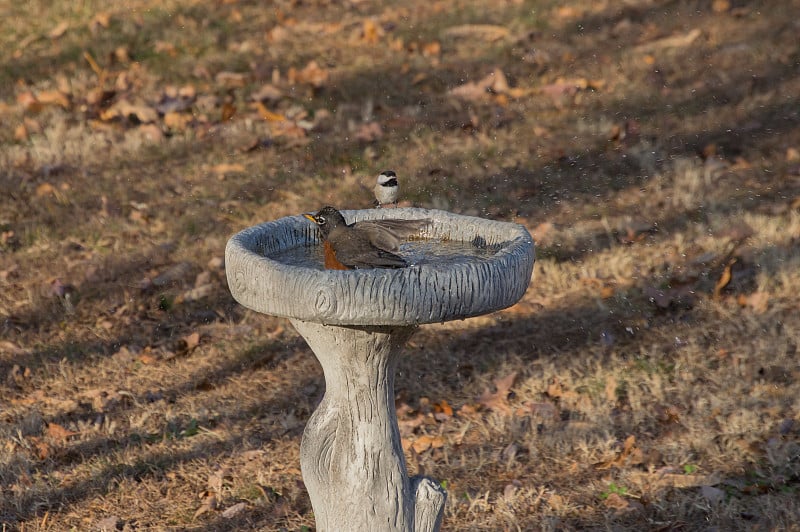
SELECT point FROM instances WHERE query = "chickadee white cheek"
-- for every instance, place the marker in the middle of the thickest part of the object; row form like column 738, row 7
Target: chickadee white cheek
column 386, row 188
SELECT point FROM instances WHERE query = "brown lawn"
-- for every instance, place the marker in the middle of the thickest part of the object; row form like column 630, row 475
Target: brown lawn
column 648, row 380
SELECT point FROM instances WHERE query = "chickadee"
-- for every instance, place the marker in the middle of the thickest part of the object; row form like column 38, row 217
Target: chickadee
column 386, row 188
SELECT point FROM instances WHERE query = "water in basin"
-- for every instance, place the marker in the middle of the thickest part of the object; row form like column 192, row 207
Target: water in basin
column 415, row 252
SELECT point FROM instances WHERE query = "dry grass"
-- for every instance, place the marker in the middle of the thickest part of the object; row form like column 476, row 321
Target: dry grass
column 647, row 395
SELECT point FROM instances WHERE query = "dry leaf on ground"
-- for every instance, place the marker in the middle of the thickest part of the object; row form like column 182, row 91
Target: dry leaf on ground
column 758, row 301
column 630, row 455
column 495, row 82
column 59, row 433
column 478, row 32
column 673, row 41
column 724, row 278
column 137, row 110
column 498, row 401
column 311, row 74
column 60, row 29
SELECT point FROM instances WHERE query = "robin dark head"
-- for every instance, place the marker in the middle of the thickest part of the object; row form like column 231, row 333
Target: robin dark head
column 364, row 244
column 328, row 218
column 386, row 188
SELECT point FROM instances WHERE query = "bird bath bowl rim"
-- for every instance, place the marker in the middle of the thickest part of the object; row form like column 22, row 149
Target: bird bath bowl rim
column 424, row 293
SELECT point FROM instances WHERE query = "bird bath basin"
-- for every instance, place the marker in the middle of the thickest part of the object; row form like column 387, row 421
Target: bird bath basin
column 356, row 322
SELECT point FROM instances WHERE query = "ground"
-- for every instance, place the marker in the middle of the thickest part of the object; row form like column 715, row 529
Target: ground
column 648, row 379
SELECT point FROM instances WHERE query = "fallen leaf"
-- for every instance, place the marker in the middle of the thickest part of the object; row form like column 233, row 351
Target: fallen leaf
column 268, row 115
column 147, row 356
column 192, row 341
column 223, row 169
column 369, row 132
column 108, row 524
column 60, row 29
column 483, row 32
column 17, row 374
column 630, row 455
column 498, row 401
column 21, row 133
column 720, row 6
column 29, row 103
column 425, row 442
column 45, row 189
column 468, row 410
column 758, row 301
column 293, row 131
column 99, row 97
column 674, row 41
column 542, row 233
column 209, row 503
column 568, row 12
column 616, row 501
column 370, row 32
column 57, row 432
column 432, row 49
column 667, row 413
column 53, row 97
column 267, row 93
column 177, row 121
column 510, row 452
column 217, row 478
column 667, row 478
column 137, row 111
column 163, row 47
column 277, row 34
column 511, row 488
column 543, row 411
column 257, row 143
column 561, row 89
column 121, row 54
column 311, row 74
column 232, row 79
column 557, row 391
column 607, row 291
column 234, row 510
column 724, row 278
column 419, row 78
column 406, row 422
column 442, row 411
column 100, row 20
column 227, row 112
column 43, row 449
column 494, row 83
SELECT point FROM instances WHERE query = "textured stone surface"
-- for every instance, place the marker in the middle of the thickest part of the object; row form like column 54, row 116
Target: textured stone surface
column 413, row 295
column 356, row 322
column 352, row 461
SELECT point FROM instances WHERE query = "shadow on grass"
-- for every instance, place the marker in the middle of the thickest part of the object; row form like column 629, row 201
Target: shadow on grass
column 580, row 176
column 156, row 463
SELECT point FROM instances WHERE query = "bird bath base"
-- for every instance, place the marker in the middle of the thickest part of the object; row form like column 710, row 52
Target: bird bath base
column 356, row 322
column 352, row 462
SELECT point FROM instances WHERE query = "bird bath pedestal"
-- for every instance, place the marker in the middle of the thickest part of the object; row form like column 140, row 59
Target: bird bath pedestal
column 356, row 322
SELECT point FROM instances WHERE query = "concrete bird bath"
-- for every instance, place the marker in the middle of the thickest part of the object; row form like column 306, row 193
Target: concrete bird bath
column 356, row 322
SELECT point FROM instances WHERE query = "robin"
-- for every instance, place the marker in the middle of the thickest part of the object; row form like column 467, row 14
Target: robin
column 364, row 244
column 386, row 189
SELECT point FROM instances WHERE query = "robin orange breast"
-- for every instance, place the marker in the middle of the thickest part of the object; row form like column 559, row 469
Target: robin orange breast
column 364, row 244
